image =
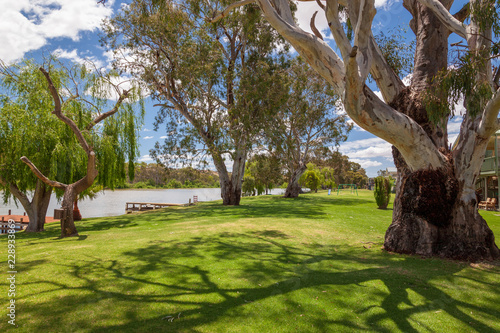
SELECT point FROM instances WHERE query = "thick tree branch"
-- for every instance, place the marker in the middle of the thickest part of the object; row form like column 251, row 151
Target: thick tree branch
column 230, row 8
column 41, row 176
column 58, row 112
column 362, row 35
column 90, row 176
column 21, row 196
column 313, row 26
column 489, row 120
column 332, row 15
column 111, row 112
column 445, row 17
column 317, row 53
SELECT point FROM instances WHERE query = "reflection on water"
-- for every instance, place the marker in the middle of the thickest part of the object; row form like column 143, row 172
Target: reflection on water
column 112, row 203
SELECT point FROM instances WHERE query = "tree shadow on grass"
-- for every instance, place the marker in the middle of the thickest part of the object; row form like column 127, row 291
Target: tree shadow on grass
column 266, row 274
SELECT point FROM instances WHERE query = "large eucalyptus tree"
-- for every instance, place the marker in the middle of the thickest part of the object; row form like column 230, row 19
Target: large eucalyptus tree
column 214, row 82
column 435, row 210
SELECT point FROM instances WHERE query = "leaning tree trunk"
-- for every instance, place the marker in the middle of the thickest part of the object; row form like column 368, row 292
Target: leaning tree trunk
column 37, row 207
column 293, row 188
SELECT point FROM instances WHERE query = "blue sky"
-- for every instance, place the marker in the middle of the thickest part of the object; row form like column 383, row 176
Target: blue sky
column 70, row 28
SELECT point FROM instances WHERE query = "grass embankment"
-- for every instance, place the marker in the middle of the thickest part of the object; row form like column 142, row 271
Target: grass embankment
column 313, row 264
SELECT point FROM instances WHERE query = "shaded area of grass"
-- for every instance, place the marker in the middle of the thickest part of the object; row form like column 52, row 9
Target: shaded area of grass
column 313, row 264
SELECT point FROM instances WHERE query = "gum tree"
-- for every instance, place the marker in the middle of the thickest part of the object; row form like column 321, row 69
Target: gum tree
column 81, row 144
column 309, row 120
column 435, row 209
column 215, row 83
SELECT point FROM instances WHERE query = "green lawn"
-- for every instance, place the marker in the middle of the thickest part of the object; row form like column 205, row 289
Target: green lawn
column 312, row 264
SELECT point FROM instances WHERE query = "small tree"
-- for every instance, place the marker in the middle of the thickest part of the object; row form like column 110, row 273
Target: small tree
column 382, row 191
column 311, row 178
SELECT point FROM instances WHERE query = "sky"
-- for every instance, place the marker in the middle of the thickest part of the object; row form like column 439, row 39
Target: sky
column 71, row 29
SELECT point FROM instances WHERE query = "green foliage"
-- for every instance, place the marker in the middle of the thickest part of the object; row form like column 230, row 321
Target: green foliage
column 339, row 168
column 382, row 191
column 452, row 84
column 328, row 178
column 398, row 54
column 311, row 180
column 312, row 177
column 157, row 176
column 266, row 172
column 174, row 183
column 28, row 128
column 248, row 186
column 215, row 82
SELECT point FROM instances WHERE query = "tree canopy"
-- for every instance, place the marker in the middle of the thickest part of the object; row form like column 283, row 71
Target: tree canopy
column 214, row 82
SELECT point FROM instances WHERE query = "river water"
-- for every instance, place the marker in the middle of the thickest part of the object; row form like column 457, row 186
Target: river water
column 112, row 203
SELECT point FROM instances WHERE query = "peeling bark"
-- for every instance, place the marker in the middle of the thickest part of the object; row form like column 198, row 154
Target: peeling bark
column 431, row 218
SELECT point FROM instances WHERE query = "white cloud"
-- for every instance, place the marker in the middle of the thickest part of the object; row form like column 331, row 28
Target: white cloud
column 73, row 56
column 368, row 148
column 454, row 127
column 145, row 158
column 27, row 25
column 366, row 163
column 163, row 137
column 146, row 129
column 147, row 137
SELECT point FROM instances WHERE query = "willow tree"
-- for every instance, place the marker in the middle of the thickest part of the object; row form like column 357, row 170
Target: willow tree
column 65, row 144
column 27, row 129
column 309, row 120
column 214, row 82
column 435, row 209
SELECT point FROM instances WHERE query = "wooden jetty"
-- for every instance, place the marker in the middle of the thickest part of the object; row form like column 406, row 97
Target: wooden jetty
column 20, row 221
column 140, row 206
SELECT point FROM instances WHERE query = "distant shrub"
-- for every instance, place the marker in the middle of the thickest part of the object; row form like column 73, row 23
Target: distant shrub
column 141, row 185
column 174, row 183
column 382, row 191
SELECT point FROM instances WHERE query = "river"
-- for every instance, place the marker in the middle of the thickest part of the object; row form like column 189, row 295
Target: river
column 112, row 203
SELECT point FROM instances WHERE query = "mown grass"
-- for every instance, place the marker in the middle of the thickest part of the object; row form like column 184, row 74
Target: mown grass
column 312, row 264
